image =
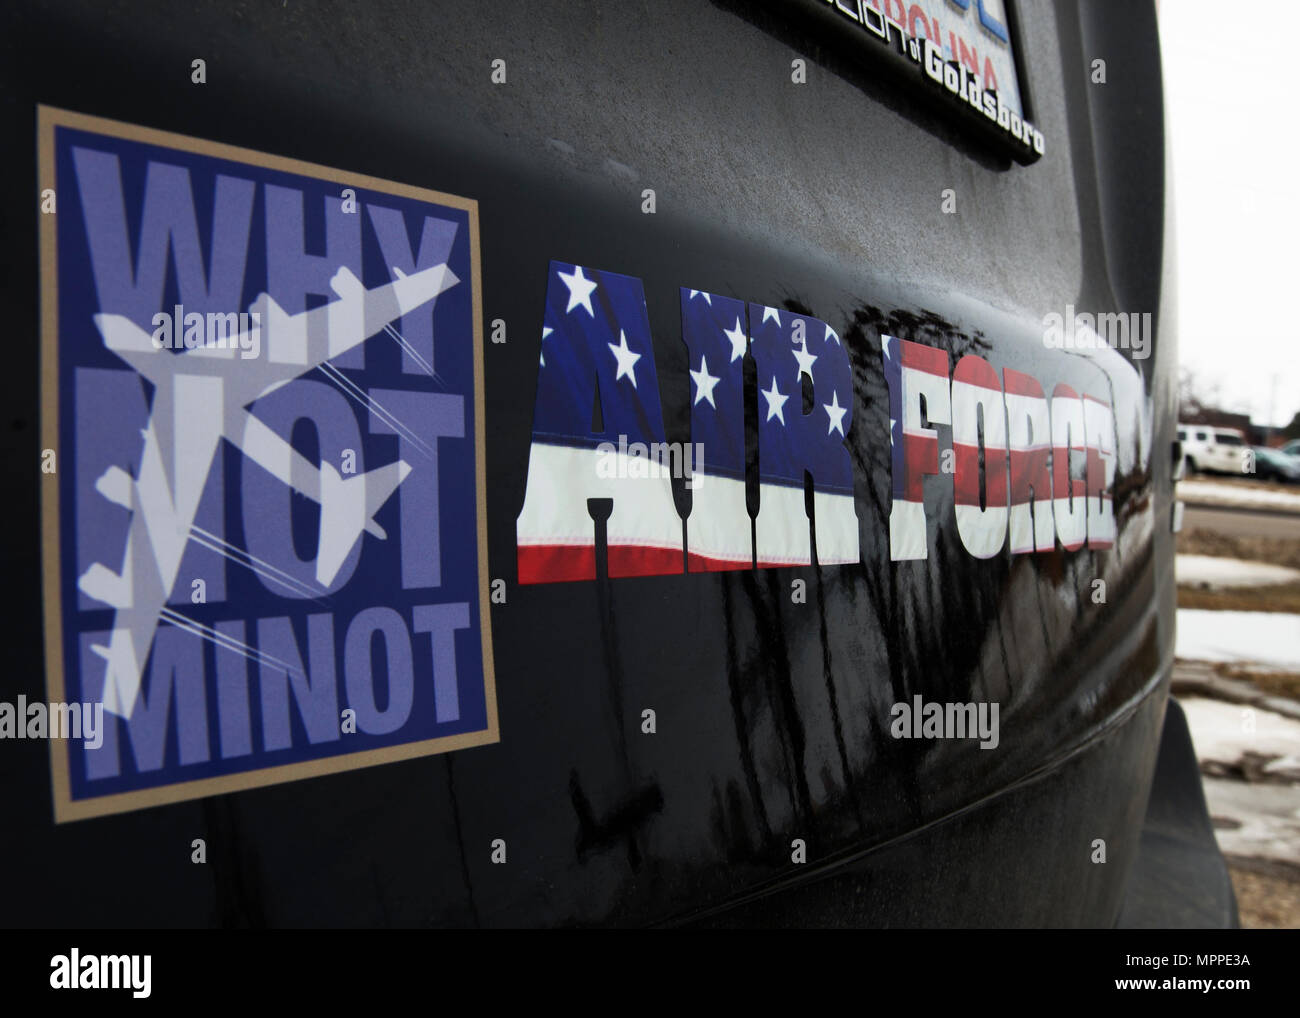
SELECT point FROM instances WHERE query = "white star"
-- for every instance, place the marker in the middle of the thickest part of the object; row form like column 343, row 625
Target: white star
column 700, row 293
column 836, row 413
column 704, row 383
column 775, row 402
column 580, row 288
column 830, row 334
column 805, row 360
column 892, row 422
column 626, row 359
column 771, row 313
column 738, row 341
column 546, row 331
column 885, row 342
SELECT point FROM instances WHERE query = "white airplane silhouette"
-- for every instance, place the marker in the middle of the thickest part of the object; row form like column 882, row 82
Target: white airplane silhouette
column 200, row 397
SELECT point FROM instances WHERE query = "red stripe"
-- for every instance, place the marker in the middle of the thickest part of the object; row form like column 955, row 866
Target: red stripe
column 975, row 370
column 966, row 480
column 638, row 560
column 562, row 563
column 1096, row 472
column 1029, row 470
column 556, row 563
column 920, row 457
column 924, row 358
column 705, row 564
column 1017, row 383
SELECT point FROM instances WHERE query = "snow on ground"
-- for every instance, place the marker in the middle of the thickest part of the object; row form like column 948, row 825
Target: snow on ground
column 1258, row 821
column 1252, row 818
column 1212, row 571
column 1226, row 731
column 1211, row 493
column 1271, row 638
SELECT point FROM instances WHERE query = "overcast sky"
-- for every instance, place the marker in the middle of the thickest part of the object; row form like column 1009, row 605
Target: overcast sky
column 1232, row 93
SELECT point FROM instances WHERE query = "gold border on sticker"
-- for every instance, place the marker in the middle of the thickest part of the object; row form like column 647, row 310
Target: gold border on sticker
column 65, row 807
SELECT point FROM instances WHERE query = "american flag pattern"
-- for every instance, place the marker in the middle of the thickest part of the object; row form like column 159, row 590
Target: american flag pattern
column 595, row 348
column 1023, row 490
column 913, row 370
column 1069, row 495
column 1099, row 432
column 598, row 391
column 715, row 330
column 787, row 348
column 1029, row 437
column 981, row 509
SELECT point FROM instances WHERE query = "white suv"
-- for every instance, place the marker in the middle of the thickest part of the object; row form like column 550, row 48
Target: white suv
column 1213, row 449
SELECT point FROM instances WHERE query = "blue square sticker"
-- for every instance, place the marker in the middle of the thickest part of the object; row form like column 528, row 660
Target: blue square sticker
column 264, row 536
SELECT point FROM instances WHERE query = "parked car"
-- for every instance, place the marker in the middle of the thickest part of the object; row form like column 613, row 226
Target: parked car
column 1292, row 448
column 1212, row 450
column 1275, row 465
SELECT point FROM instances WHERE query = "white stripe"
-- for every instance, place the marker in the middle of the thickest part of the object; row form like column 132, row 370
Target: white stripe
column 966, row 399
column 837, row 529
column 1099, row 427
column 907, row 538
column 1024, row 526
column 781, row 531
column 982, row 531
column 1071, row 527
column 562, row 478
column 718, row 526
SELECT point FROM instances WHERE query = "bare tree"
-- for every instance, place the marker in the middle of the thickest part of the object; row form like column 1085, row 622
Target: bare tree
column 1191, row 399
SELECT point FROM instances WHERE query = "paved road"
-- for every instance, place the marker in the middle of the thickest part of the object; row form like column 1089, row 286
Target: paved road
column 1242, row 522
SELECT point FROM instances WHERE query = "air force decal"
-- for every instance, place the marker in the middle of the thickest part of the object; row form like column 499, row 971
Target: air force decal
column 263, row 504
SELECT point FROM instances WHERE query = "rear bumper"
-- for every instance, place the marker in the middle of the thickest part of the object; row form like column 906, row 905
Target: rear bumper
column 1025, row 857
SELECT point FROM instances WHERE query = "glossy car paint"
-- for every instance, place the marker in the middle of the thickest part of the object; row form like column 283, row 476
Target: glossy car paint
column 772, row 716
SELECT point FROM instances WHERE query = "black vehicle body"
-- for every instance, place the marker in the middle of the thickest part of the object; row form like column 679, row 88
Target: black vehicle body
column 773, row 716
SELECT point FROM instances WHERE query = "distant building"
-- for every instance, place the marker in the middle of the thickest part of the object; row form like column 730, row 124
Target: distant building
column 1255, row 434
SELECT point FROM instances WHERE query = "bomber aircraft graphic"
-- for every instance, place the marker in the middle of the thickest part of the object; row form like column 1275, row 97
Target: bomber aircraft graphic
column 201, row 396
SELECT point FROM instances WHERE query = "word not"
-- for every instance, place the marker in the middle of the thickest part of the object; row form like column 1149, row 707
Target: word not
column 919, row 720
